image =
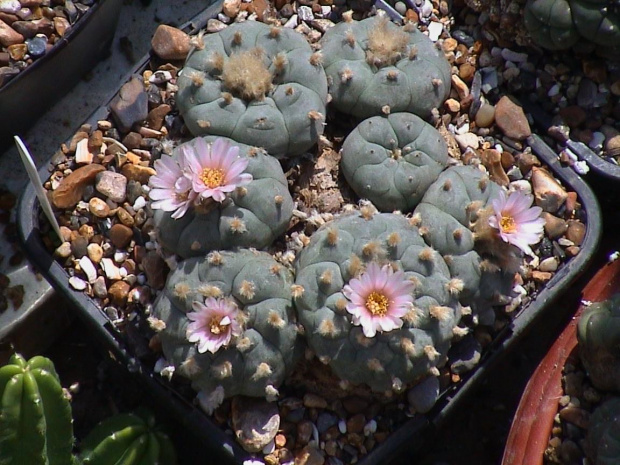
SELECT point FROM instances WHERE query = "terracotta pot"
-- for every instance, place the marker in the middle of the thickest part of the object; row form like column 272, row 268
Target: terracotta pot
column 533, row 420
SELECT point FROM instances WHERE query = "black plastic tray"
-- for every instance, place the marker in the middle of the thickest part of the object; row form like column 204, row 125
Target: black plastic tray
column 34, row 90
column 409, row 436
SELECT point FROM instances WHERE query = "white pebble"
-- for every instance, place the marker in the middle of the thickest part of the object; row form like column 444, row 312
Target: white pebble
column 291, row 23
column 555, row 90
column 342, row 427
column 120, row 256
column 515, row 57
column 464, row 129
column 305, row 13
column 77, row 283
column 523, row 186
column 88, row 268
column 150, row 245
column 581, row 167
column 139, row 203
column 370, row 428
column 434, row 30
column 548, row 264
column 110, row 269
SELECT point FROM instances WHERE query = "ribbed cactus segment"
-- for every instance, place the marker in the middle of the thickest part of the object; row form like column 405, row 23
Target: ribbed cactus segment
column 257, row 359
column 392, row 160
column 35, row 416
column 560, row 24
column 128, row 439
column 257, row 84
column 253, row 215
column 598, row 332
column 374, row 66
column 341, row 251
column 603, row 438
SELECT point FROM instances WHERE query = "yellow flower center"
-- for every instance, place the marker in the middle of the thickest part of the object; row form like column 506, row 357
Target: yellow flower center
column 215, row 325
column 377, row 303
column 507, row 223
column 212, row 177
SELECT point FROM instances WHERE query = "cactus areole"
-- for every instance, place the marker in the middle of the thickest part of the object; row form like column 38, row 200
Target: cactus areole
column 256, row 84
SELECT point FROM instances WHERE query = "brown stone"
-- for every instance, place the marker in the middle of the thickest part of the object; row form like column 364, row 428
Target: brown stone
column 61, row 25
column 155, row 118
column 120, row 235
column 132, row 140
column 526, row 161
column 576, row 416
column 573, row 115
column 137, row 173
column 576, row 232
column 98, row 207
column 255, row 422
column 155, row 270
column 309, row 455
column 356, row 423
column 170, row 43
column 17, row 51
column 511, row 119
column 314, row 401
column 466, row 72
column 304, row 432
column 118, row 292
column 71, row 188
column 8, row 35
column 549, row 194
column 354, row 404
column 492, row 160
column 554, row 227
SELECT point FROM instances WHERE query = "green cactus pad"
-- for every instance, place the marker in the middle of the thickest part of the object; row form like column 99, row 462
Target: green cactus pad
column 253, row 215
column 127, row 439
column 603, row 438
column 259, row 85
column 35, row 416
column 392, row 160
column 364, row 81
column 338, row 252
column 255, row 362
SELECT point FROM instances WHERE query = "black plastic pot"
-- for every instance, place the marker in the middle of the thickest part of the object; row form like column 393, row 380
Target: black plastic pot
column 409, row 436
column 33, row 91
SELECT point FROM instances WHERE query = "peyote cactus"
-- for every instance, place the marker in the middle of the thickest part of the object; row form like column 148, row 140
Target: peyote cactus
column 392, row 160
column 603, row 439
column 252, row 215
column 127, row 439
column 35, row 415
column 259, row 85
column 374, row 67
column 377, row 304
column 243, row 338
column 598, row 332
column 453, row 217
column 560, row 24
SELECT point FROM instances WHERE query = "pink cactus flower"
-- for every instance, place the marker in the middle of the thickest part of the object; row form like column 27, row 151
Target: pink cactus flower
column 216, row 168
column 379, row 299
column 213, row 325
column 518, row 222
column 171, row 188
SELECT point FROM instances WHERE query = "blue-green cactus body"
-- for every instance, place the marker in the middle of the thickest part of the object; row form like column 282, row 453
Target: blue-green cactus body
column 550, row 23
column 413, row 76
column 560, row 24
column 127, row 439
column 392, row 160
column 254, row 363
column 603, row 438
column 283, row 112
column 445, row 216
column 598, row 332
column 338, row 252
column 254, row 215
column 35, row 415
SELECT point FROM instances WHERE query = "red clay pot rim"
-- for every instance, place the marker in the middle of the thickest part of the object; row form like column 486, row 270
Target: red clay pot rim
column 533, row 420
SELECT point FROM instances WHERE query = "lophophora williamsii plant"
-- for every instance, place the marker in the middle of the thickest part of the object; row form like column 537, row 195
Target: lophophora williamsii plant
column 257, row 84
column 560, row 24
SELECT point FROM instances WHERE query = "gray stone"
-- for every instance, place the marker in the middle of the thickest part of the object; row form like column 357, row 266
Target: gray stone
column 255, row 422
column 422, row 396
column 112, row 185
column 130, row 106
column 465, row 355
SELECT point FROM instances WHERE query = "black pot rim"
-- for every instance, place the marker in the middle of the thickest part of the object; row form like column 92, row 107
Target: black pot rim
column 409, row 436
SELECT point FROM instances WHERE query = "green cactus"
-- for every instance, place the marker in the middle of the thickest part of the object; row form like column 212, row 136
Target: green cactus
column 374, row 66
column 451, row 218
column 603, row 438
column 128, row 439
column 257, row 358
column 35, row 415
column 257, row 84
column 338, row 252
column 392, row 160
column 254, row 215
column 560, row 24
column 598, row 332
